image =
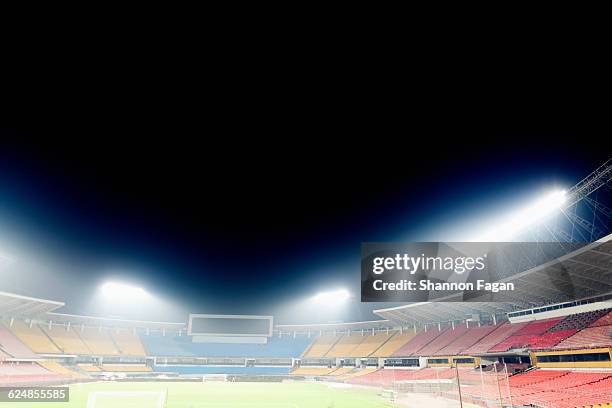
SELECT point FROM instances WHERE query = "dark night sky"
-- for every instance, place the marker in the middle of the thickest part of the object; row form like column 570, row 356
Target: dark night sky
column 245, row 210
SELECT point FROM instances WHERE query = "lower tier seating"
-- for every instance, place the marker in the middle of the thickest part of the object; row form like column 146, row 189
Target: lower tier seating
column 27, row 373
column 312, row 371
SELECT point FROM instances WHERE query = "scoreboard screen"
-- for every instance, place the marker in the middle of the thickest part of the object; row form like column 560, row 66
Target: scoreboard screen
column 229, row 325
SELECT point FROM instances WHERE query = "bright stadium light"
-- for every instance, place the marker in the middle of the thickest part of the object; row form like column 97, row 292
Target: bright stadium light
column 333, row 297
column 121, row 291
column 528, row 216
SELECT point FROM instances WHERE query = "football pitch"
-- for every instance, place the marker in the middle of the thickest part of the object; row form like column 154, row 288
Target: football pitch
column 213, row 395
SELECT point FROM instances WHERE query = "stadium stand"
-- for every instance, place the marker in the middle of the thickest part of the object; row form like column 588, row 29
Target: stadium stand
column 128, row 343
column 419, row 341
column 468, row 339
column 68, row 341
column 386, row 376
column 370, row 344
column 345, row 346
column 98, row 341
column 34, row 338
column 321, row 346
column 501, row 333
column 394, row 344
column 11, row 346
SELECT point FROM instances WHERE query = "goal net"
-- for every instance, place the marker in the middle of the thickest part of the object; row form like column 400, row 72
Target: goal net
column 127, row 399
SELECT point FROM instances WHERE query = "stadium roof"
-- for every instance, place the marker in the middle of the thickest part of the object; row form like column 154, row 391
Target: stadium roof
column 23, row 306
column 93, row 321
column 583, row 273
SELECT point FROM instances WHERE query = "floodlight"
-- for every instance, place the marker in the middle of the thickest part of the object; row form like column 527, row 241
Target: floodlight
column 121, row 291
column 333, row 297
column 530, row 215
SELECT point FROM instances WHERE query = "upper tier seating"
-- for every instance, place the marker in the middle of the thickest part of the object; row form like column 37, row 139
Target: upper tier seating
column 321, row 345
column 442, row 341
column 11, row 346
column 501, row 333
column 526, row 335
column 561, row 389
column 605, row 320
column 550, row 339
column 394, row 343
column 538, row 327
column 285, row 347
column 591, row 337
column 67, row 340
column 98, row 341
column 514, row 342
column 128, row 343
column 34, row 338
column 579, row 321
column 468, row 339
column 345, row 346
column 418, row 342
column 370, row 344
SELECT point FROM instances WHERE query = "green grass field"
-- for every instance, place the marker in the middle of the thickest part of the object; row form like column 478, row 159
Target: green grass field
column 214, row 395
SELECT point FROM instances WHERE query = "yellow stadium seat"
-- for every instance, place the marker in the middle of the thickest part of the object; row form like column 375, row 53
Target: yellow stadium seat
column 98, row 341
column 68, row 340
column 128, row 343
column 321, row 345
column 34, row 338
column 345, row 346
column 393, row 344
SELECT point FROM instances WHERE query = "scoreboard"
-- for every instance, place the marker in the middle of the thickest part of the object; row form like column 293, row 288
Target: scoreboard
column 230, row 325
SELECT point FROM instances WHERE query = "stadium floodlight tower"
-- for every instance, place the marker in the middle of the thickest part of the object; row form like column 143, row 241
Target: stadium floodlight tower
column 335, row 297
column 123, row 292
column 537, row 212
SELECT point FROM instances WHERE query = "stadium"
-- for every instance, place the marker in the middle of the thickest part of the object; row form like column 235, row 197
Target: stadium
column 547, row 343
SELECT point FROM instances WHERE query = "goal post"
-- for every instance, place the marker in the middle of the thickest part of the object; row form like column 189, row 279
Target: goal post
column 127, row 399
